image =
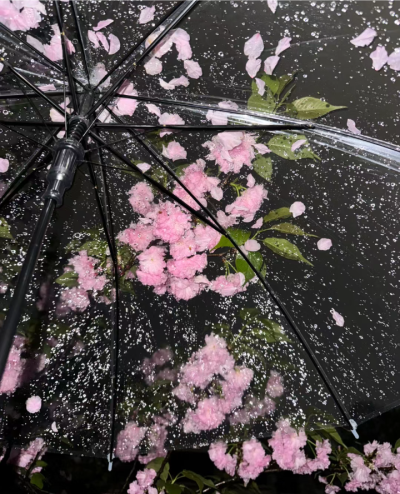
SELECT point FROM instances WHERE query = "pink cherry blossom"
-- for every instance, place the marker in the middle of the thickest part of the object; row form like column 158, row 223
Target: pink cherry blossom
column 251, row 182
column 24, row 458
column 126, row 106
column 258, row 223
column 152, row 260
column 338, row 318
column 170, row 119
column 193, row 69
column 146, row 477
column 4, row 164
column 75, row 299
column 254, row 460
column 221, row 459
column 287, row 446
column 324, row 244
column 252, row 246
column 181, row 39
column 225, row 220
column 254, row 46
column 229, row 285
column 270, row 64
column 253, row 66
column 17, row 20
column 206, row 238
column 153, row 67
column 147, row 14
column 138, row 237
column 365, row 38
column 260, row 86
column 188, row 266
column 206, row 417
column 394, row 60
column 170, row 223
column 88, row 277
column 33, row 404
column 248, row 203
column 185, row 247
column 379, row 57
column 141, row 197
column 351, row 125
column 297, row 209
column 296, row 145
column 283, row 45
column 183, row 289
column 128, row 442
column 360, row 472
column 275, row 385
column 115, row 44
column 134, row 488
column 184, row 393
column 272, row 4
column 103, row 24
column 174, row 151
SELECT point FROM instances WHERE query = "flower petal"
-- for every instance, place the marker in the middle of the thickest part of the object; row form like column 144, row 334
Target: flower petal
column 104, row 41
column 93, row 38
column 394, row 60
column 252, row 246
column 254, row 46
column 253, row 66
column 297, row 209
column 103, row 24
column 260, row 86
column 115, row 44
column 283, row 45
column 153, row 66
column 297, row 144
column 147, row 14
column 379, row 57
column 272, row 4
column 365, row 38
column 338, row 318
column 324, row 244
column 193, row 69
column 270, row 64
column 351, row 125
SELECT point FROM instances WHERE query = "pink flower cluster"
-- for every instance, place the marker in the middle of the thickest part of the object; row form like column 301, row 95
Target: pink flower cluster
column 143, row 483
column 23, row 458
column 212, row 362
column 128, row 441
column 247, row 205
column 232, row 150
column 156, row 437
column 288, row 450
column 13, row 371
column 254, row 459
column 158, row 359
column 54, row 49
column 21, row 16
column 179, row 275
column 379, row 470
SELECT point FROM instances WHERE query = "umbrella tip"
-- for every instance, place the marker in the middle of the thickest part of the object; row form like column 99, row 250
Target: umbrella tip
column 353, row 424
column 110, row 462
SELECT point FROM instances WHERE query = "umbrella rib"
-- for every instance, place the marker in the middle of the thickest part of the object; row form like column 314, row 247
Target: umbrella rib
column 187, row 6
column 35, row 50
column 153, row 182
column 190, row 128
column 15, row 186
column 67, row 62
column 33, row 87
column 275, row 297
column 82, row 43
column 133, row 49
column 108, row 231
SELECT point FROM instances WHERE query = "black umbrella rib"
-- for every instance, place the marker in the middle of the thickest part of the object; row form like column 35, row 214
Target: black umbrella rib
column 153, row 182
column 103, row 101
column 205, row 127
column 67, row 62
column 15, row 186
column 29, row 94
column 35, row 50
column 105, row 213
column 81, row 39
column 33, row 87
column 134, row 48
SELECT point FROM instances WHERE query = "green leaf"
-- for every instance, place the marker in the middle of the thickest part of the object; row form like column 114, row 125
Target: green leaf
column 238, row 235
column 291, row 229
column 331, row 433
column 160, row 484
column 156, row 464
column 244, row 267
column 286, row 249
column 273, row 331
column 249, row 313
column 397, row 445
column 309, row 108
column 41, row 463
column 173, row 488
column 282, row 146
column 259, row 103
column 179, row 170
column 272, row 82
column 284, row 81
column 68, row 279
column 342, row 477
column 277, row 214
column 165, row 472
column 195, row 477
column 37, row 479
column 95, row 248
column 354, row 451
column 263, row 166
column 4, row 229
column 126, row 286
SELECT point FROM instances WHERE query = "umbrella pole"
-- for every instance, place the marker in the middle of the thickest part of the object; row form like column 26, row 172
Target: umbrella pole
column 67, row 153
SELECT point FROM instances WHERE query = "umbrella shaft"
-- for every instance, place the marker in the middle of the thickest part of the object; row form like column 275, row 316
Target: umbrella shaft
column 14, row 314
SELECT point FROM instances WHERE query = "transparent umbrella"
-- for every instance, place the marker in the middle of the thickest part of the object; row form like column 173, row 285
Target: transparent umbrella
column 217, row 262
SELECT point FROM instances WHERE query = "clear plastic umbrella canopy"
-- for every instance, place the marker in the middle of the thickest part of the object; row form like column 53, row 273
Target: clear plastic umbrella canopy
column 227, row 254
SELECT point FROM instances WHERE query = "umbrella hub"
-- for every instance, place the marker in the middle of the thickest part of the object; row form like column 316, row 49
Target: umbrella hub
column 67, row 153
